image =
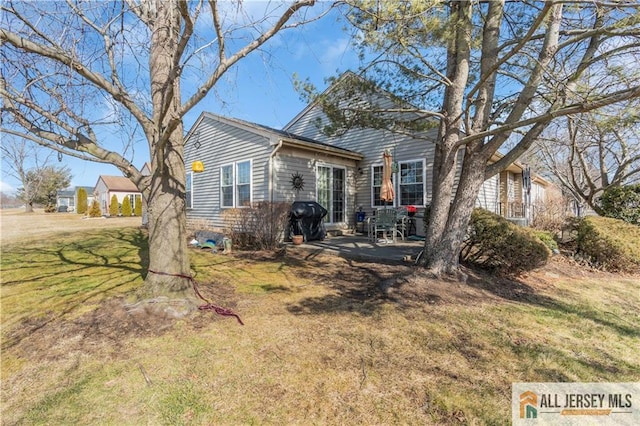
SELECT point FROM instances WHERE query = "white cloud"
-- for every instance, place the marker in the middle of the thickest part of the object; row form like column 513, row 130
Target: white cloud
column 337, row 53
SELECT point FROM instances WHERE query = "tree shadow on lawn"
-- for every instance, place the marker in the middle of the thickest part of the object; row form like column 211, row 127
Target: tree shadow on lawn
column 363, row 286
column 518, row 291
column 87, row 271
column 115, row 267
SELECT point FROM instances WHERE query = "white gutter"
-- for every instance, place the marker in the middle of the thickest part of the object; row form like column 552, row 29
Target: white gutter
column 324, row 149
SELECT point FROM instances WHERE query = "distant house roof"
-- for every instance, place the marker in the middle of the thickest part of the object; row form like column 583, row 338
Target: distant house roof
column 518, row 167
column 65, row 193
column 89, row 189
column 118, row 183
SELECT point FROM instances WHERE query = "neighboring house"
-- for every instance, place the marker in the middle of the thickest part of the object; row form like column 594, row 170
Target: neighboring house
column 519, row 191
column 246, row 162
column 69, row 198
column 65, row 200
column 120, row 186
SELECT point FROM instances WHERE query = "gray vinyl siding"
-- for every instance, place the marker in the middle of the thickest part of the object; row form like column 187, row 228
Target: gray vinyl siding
column 223, row 144
column 290, row 161
column 488, row 195
column 372, row 144
column 286, row 164
column 225, row 141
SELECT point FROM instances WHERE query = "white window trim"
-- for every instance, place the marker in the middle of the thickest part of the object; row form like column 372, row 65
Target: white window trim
column 424, row 180
column 222, row 206
column 191, row 191
column 234, row 184
column 372, row 192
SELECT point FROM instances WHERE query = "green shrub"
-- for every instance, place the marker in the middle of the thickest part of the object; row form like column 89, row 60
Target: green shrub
column 609, row 244
column 547, row 238
column 95, row 211
column 622, row 202
column 114, row 208
column 137, row 210
column 83, row 205
column 497, row 244
column 126, row 207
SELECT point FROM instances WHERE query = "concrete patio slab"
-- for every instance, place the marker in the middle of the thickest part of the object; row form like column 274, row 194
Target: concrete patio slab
column 360, row 247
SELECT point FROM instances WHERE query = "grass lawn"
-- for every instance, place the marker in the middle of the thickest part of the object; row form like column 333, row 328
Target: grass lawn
column 321, row 344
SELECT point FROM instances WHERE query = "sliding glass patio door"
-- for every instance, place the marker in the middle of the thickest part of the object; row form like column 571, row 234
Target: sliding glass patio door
column 330, row 188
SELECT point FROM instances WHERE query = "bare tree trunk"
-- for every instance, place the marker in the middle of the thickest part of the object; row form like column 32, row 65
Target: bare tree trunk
column 28, row 207
column 169, row 267
column 446, row 253
column 167, row 228
column 438, row 255
column 443, row 181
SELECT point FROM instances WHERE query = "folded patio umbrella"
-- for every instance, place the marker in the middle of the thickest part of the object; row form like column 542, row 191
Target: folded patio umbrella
column 386, row 192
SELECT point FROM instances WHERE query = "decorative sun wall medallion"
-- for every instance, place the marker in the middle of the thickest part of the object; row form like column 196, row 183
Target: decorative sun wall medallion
column 297, row 181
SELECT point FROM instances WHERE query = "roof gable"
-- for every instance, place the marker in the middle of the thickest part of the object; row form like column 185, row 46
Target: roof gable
column 374, row 95
column 118, row 183
column 275, row 135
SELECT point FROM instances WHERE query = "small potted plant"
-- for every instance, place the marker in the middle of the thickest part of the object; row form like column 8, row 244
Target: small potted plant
column 297, row 239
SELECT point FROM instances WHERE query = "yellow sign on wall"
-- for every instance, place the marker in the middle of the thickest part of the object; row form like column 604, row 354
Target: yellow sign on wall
column 197, row 167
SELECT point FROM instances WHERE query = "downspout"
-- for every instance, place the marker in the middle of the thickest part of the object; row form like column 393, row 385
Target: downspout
column 271, row 157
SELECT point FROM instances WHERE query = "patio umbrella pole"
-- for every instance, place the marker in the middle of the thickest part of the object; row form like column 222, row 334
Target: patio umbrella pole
column 387, row 193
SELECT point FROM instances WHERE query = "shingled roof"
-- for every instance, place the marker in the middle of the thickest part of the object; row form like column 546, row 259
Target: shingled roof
column 119, row 183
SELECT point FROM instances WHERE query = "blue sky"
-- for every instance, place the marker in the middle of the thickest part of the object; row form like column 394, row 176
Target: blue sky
column 259, row 88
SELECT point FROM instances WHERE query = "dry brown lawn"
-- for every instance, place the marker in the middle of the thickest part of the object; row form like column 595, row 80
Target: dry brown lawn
column 326, row 340
column 16, row 225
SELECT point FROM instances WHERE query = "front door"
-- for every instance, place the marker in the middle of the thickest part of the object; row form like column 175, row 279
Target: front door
column 330, row 187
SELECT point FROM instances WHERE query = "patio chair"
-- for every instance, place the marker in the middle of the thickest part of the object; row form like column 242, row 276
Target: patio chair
column 386, row 221
column 402, row 221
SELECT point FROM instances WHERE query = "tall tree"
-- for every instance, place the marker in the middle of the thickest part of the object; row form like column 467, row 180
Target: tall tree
column 590, row 153
column 43, row 185
column 30, row 165
column 63, row 61
column 490, row 75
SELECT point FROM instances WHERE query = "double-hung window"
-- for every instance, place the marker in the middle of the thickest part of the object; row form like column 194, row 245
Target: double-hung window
column 243, row 184
column 412, row 181
column 235, row 184
column 376, row 186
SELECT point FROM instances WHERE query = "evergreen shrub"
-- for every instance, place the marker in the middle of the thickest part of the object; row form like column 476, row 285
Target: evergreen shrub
column 95, row 210
column 113, row 206
column 495, row 243
column 622, row 202
column 126, row 207
column 609, row 244
column 137, row 210
column 547, row 238
column 82, row 206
